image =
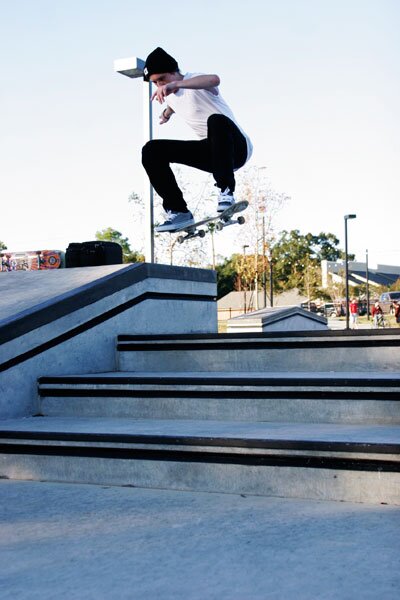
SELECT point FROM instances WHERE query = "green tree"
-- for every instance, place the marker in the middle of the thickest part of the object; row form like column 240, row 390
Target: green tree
column 395, row 287
column 226, row 276
column 2, row 246
column 297, row 259
column 112, row 235
column 290, row 254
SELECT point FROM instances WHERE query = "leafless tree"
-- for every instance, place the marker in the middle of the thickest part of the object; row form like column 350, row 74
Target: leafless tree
column 201, row 196
column 259, row 233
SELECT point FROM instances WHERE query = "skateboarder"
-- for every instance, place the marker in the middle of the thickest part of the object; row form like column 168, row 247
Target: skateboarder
column 222, row 147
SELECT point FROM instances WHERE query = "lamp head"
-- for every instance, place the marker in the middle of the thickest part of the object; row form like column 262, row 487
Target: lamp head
column 131, row 67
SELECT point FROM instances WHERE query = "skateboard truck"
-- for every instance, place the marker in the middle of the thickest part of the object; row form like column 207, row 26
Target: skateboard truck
column 222, row 220
column 191, row 234
column 224, row 223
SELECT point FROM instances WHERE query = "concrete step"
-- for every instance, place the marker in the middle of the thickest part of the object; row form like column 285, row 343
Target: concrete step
column 356, row 463
column 297, row 397
column 314, row 351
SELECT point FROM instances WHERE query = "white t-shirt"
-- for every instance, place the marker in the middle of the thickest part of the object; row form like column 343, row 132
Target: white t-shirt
column 195, row 106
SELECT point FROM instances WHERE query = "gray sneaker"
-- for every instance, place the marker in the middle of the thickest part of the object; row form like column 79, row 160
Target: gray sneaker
column 176, row 221
column 225, row 200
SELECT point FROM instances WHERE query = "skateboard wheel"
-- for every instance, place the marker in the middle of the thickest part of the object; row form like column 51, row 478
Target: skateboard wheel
column 219, row 227
column 241, row 220
column 181, row 239
column 202, row 233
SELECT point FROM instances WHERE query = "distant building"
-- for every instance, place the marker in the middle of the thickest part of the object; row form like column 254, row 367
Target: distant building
column 383, row 275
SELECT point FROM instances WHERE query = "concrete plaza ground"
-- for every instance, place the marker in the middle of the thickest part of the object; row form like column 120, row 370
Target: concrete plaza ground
column 84, row 542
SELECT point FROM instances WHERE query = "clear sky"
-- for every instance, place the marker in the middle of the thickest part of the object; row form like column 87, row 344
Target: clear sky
column 315, row 83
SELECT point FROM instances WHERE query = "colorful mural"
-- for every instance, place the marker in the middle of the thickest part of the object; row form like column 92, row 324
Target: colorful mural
column 31, row 260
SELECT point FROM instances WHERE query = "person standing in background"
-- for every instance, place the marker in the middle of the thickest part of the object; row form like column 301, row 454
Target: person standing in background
column 354, row 313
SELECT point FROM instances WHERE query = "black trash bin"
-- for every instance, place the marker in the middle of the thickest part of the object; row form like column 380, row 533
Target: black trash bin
column 93, row 254
column 73, row 255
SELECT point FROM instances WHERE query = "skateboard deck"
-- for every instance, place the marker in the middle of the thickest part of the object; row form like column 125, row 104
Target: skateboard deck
column 221, row 221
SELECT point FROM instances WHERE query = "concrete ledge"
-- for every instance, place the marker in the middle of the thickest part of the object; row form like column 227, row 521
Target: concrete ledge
column 374, row 487
column 29, row 300
column 359, row 464
column 76, row 330
column 261, row 353
column 313, row 398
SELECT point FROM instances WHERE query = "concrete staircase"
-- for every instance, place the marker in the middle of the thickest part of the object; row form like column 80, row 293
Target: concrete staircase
column 310, row 415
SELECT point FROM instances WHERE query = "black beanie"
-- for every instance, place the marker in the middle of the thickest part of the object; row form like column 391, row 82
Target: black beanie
column 159, row 62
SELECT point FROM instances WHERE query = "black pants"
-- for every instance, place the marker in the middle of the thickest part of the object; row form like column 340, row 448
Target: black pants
column 223, row 150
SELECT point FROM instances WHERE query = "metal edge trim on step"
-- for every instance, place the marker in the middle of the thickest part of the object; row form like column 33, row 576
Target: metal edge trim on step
column 287, row 344
column 335, row 380
column 251, row 460
column 373, row 395
column 342, row 333
column 187, row 440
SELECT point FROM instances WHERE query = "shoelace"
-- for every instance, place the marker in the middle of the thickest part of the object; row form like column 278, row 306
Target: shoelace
column 226, row 196
column 169, row 216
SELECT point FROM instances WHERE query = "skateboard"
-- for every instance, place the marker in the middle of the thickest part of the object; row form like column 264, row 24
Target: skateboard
column 221, row 221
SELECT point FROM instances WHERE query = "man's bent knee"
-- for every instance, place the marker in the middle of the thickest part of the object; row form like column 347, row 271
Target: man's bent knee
column 217, row 120
column 150, row 152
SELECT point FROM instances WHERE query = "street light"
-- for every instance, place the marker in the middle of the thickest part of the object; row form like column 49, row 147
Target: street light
column 271, row 278
column 367, row 285
column 346, row 218
column 264, row 266
column 257, row 240
column 133, row 67
column 244, row 285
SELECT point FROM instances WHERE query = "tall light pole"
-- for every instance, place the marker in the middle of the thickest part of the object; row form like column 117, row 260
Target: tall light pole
column 244, row 267
column 367, row 285
column 257, row 240
column 264, row 266
column 271, row 278
column 346, row 218
column 133, row 67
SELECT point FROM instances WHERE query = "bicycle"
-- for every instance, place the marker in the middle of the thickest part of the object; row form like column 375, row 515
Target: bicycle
column 380, row 322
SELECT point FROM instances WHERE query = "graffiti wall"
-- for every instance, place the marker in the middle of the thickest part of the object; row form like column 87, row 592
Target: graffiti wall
column 31, row 260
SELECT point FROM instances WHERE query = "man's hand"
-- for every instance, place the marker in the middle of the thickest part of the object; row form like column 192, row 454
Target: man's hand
column 163, row 118
column 165, row 90
column 166, row 115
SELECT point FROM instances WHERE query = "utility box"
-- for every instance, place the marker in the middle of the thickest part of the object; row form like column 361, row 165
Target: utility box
column 288, row 318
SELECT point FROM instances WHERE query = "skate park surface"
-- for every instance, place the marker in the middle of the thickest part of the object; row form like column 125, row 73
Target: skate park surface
column 80, row 541
column 22, row 290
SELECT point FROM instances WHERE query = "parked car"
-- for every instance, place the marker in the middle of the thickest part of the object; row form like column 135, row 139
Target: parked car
column 330, row 309
column 386, row 301
column 311, row 306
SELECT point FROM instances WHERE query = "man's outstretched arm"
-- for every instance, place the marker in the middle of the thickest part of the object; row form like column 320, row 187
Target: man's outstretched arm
column 198, row 82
